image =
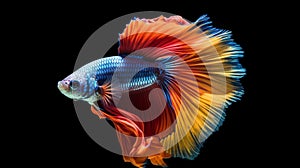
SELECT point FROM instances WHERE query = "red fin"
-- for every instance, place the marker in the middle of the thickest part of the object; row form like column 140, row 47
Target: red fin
column 147, row 143
column 99, row 113
column 161, row 33
column 158, row 123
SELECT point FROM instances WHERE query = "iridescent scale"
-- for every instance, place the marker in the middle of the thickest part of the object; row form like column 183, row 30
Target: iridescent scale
column 130, row 73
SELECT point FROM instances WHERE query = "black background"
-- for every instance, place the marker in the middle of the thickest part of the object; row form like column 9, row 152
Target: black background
column 56, row 34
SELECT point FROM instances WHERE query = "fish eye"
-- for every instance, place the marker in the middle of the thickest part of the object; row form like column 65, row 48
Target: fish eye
column 74, row 84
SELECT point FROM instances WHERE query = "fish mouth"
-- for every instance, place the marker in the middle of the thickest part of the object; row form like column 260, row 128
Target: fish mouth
column 62, row 86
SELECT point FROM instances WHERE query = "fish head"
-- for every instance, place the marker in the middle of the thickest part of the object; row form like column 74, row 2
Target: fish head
column 77, row 87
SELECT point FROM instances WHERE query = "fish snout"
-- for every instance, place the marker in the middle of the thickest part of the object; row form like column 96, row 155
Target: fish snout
column 63, row 85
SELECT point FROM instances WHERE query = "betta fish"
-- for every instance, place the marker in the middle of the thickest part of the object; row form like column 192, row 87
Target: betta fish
column 167, row 90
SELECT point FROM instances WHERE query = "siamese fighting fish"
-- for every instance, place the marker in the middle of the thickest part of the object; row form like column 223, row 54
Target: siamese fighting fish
column 167, row 89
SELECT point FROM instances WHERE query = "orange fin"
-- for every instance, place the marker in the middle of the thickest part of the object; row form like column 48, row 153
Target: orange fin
column 201, row 79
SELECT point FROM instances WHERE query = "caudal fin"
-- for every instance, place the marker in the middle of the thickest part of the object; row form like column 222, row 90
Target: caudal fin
column 201, row 74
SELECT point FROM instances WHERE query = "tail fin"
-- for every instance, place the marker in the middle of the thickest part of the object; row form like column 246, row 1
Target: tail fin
column 202, row 74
